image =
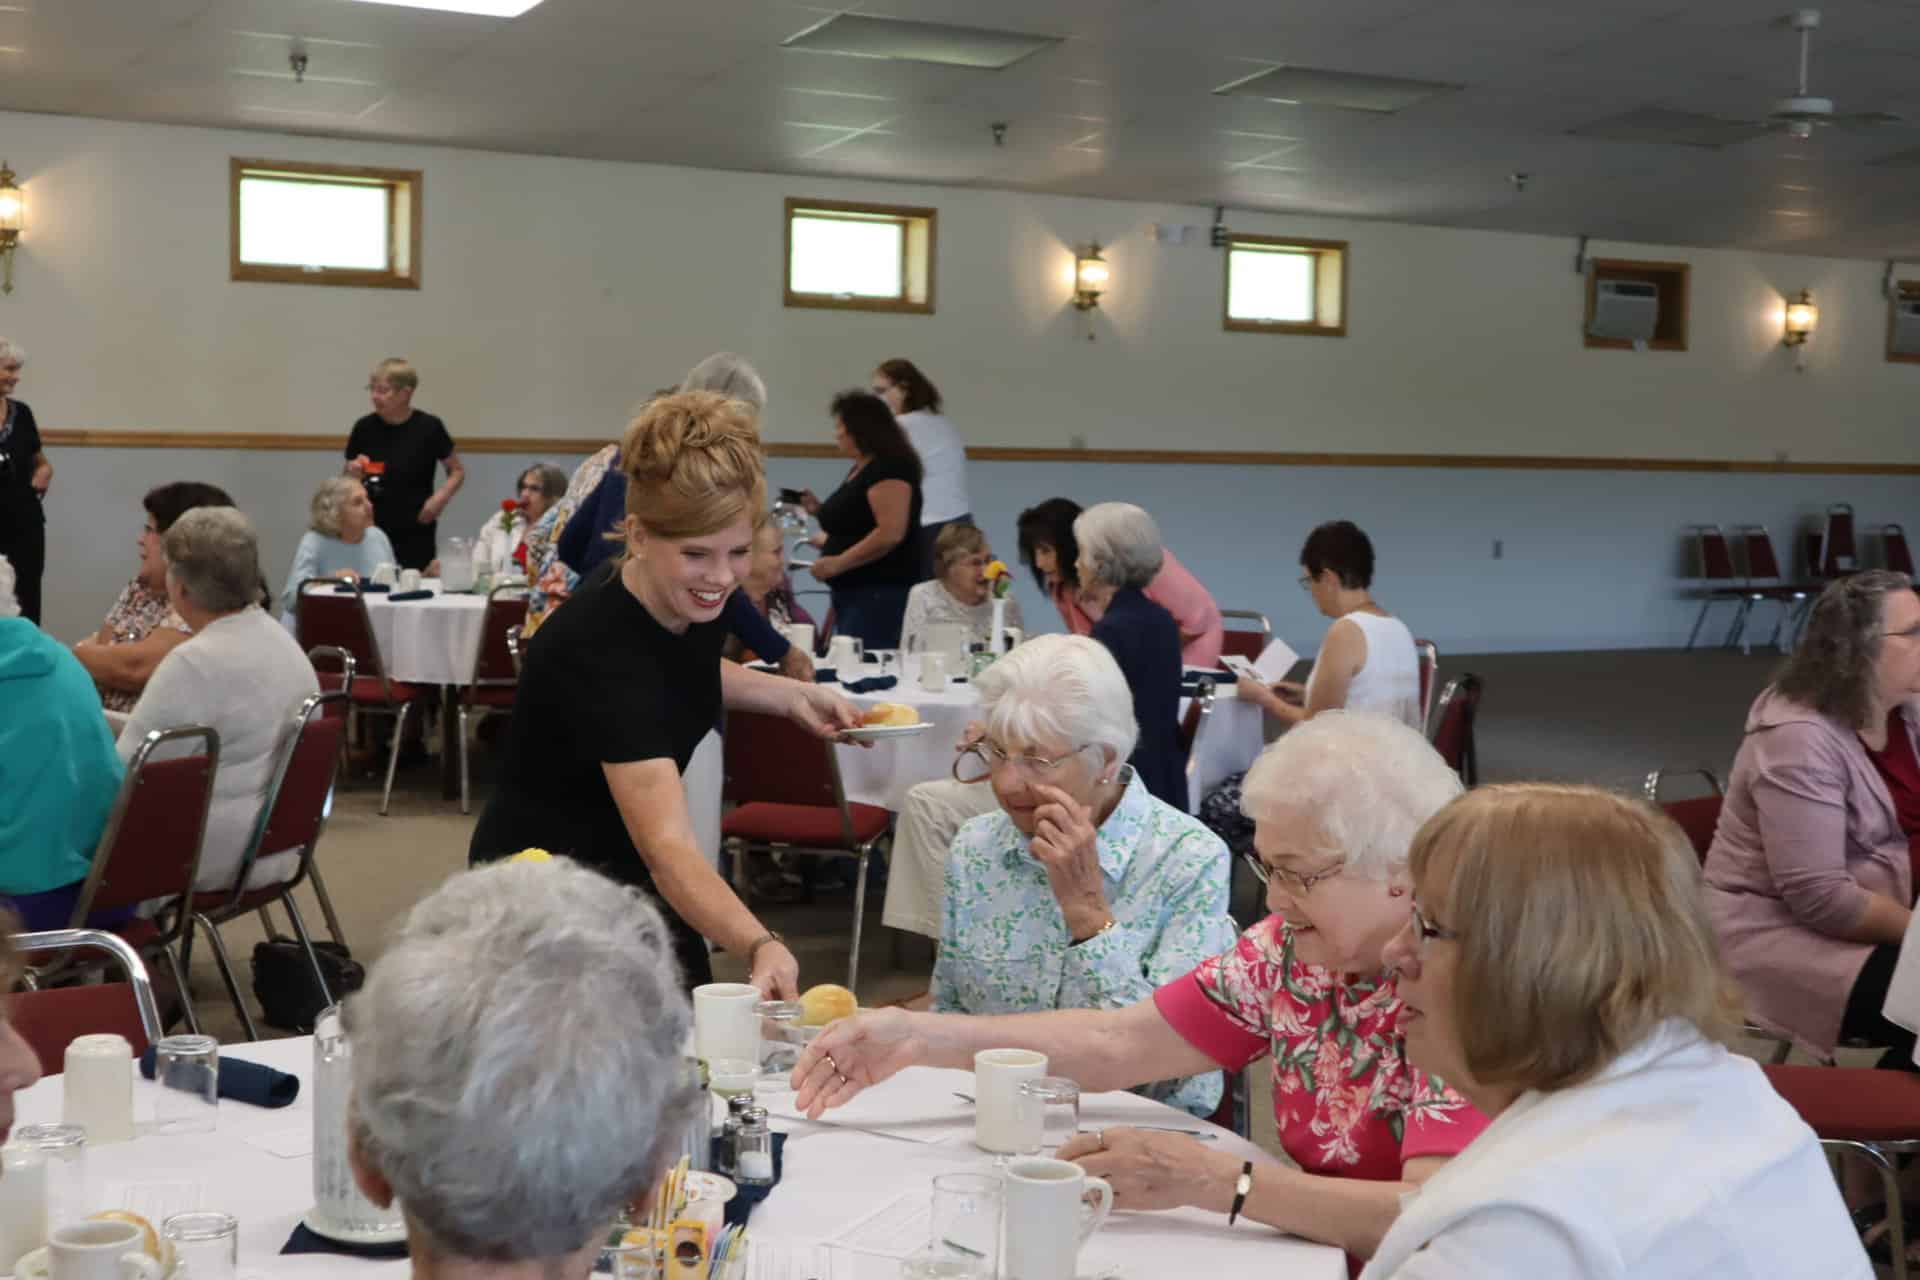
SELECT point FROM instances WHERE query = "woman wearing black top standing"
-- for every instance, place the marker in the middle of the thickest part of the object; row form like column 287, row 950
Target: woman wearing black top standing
column 24, row 476
column 619, row 687
column 394, row 451
column 869, row 525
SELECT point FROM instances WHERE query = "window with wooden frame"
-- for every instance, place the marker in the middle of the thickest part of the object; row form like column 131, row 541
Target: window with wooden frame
column 325, row 224
column 1280, row 285
column 1903, row 322
column 860, row 257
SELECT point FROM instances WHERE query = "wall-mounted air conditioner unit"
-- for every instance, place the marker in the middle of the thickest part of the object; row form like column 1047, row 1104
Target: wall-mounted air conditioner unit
column 1905, row 340
column 1625, row 309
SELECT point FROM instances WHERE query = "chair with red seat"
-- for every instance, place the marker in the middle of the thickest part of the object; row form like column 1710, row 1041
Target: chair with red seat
column 496, row 670
column 1894, row 552
column 1428, row 655
column 1453, row 726
column 785, row 785
column 1766, row 584
column 1863, row 1112
column 49, row 1020
column 1720, row 582
column 149, row 850
column 1193, row 723
column 1697, row 815
column 1838, row 556
column 1248, row 642
column 334, row 620
column 293, row 816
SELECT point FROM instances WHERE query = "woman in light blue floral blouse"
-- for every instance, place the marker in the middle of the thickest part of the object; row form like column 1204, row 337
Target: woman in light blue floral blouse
column 1082, row 891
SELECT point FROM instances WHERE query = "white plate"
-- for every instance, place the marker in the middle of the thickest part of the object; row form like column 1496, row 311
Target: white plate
column 321, row 1227
column 34, row 1266
column 710, row 1186
column 874, row 732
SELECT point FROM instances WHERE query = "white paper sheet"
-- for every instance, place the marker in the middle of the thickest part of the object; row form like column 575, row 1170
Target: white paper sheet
column 899, row 1108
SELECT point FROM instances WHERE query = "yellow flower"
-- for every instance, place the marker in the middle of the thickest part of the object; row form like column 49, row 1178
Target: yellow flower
column 531, row 855
column 996, row 570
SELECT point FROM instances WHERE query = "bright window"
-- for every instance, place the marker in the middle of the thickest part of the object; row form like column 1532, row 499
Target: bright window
column 1286, row 286
column 859, row 257
column 303, row 224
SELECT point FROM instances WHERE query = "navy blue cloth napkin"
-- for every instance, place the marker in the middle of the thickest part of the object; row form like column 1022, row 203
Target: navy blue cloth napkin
column 422, row 594
column 304, row 1241
column 747, row 1197
column 248, row 1082
column 871, row 684
column 366, row 588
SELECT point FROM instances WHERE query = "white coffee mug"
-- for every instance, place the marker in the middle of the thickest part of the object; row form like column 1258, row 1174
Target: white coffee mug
column 409, row 579
column 844, row 654
column 933, row 671
column 100, row 1251
column 725, row 1024
column 1048, row 1217
column 97, row 1088
column 384, row 575
column 1003, row 1121
column 800, row 636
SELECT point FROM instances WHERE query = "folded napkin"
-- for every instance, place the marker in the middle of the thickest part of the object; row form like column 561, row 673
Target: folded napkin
column 422, row 594
column 304, row 1241
column 748, row 1196
column 366, row 588
column 826, row 675
column 871, row 684
column 245, row 1081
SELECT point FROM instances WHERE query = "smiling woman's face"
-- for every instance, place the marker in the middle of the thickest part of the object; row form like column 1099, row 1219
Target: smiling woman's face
column 1340, row 921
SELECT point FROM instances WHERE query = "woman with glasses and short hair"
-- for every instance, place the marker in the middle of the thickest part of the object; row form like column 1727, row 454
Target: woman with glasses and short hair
column 1336, row 804
column 1081, row 891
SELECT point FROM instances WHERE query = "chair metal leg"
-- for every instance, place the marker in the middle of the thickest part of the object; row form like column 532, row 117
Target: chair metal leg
column 1890, row 1183
column 859, row 917
column 466, row 803
column 225, row 965
column 306, row 941
column 326, row 903
column 393, row 755
column 1700, row 620
column 180, row 981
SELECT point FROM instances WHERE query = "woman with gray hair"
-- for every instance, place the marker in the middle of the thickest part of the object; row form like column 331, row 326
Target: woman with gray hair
column 240, row 673
column 1335, row 804
column 541, row 485
column 1081, row 891
column 1810, row 877
column 517, row 1068
column 1120, row 553
column 342, row 541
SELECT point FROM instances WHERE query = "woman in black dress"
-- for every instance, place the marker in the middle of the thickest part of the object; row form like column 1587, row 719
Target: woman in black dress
column 869, row 526
column 24, row 476
column 620, row 686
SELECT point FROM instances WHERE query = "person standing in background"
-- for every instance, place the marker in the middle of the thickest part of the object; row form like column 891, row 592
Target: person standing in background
column 394, row 450
column 916, row 405
column 24, row 476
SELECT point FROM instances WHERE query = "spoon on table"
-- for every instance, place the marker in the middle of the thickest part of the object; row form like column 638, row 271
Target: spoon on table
column 1202, row 1134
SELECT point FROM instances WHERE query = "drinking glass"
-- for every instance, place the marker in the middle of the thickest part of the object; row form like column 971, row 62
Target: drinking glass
column 207, row 1244
column 1058, row 1099
column 631, row 1262
column 187, row 1069
column 932, row 1264
column 966, row 1218
column 779, row 1038
column 64, row 1149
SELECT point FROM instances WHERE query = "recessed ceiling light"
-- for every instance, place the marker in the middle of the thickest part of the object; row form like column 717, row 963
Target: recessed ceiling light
column 485, row 8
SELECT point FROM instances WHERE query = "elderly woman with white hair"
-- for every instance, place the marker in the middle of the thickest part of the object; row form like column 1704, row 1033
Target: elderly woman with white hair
column 1336, row 805
column 1081, row 891
column 517, row 1069
column 341, row 540
column 240, row 673
column 1120, row 552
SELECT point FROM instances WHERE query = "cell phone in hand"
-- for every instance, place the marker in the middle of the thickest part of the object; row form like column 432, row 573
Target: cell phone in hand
column 792, row 497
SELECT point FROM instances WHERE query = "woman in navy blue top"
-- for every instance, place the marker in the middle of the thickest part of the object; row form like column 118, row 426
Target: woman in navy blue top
column 1120, row 552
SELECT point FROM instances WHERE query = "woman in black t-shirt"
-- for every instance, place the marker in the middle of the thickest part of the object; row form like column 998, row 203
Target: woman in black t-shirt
column 870, row 557
column 24, row 476
column 620, row 686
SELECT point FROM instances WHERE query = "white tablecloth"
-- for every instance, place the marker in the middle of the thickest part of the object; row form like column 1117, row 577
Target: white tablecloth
column 882, row 773
column 833, row 1177
column 428, row 641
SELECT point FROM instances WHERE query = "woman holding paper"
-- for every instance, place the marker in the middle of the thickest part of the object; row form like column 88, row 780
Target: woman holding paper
column 1367, row 661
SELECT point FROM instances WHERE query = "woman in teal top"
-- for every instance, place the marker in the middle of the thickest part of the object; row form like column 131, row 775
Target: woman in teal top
column 58, row 769
column 341, row 540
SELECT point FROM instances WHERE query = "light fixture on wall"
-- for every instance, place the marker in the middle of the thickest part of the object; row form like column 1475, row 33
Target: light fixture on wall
column 1802, row 319
column 1090, row 277
column 13, row 220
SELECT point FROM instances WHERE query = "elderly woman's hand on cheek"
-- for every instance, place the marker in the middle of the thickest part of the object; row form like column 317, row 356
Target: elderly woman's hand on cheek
column 1067, row 844
column 1156, row 1170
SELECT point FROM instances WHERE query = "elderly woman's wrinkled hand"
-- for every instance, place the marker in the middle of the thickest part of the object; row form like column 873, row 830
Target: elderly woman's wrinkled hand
column 1067, row 844
column 1151, row 1170
column 852, row 1054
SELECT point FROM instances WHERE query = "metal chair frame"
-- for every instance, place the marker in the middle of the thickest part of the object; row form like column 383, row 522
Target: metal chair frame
column 1200, row 712
column 1427, row 663
column 1714, row 553
column 398, row 710
column 472, row 711
column 1261, row 624
column 1794, row 599
column 117, row 948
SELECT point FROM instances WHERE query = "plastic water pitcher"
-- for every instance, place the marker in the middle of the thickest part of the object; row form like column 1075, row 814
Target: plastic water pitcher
column 337, row 1201
column 456, row 564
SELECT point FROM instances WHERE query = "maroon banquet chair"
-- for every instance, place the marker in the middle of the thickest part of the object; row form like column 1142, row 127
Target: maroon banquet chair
column 1427, row 655
column 1247, row 642
column 334, row 622
column 496, row 671
column 50, row 1020
column 1866, row 1113
column 1894, row 551
column 1453, row 726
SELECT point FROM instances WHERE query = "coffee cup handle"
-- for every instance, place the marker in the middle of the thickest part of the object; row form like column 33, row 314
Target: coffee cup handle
column 138, row 1266
column 1095, row 1214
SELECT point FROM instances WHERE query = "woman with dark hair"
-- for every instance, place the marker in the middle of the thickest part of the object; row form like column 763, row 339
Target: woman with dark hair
column 1811, row 873
column 869, row 555
column 916, row 406
column 1047, row 546
column 1368, row 661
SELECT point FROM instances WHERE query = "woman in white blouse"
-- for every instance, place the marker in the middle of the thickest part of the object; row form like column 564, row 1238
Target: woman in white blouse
column 1367, row 661
column 916, row 403
column 541, row 485
column 959, row 591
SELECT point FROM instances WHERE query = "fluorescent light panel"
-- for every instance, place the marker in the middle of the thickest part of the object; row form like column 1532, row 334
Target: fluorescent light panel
column 1346, row 90
column 485, row 8
column 862, row 36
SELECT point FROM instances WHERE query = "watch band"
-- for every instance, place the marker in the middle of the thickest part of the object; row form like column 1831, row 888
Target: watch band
column 1241, row 1186
column 753, row 948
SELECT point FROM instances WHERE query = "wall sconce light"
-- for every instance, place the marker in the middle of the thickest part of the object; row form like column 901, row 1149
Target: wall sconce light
column 13, row 219
column 1090, row 276
column 1802, row 319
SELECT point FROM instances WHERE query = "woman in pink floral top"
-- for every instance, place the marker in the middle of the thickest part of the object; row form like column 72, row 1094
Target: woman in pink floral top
column 1335, row 804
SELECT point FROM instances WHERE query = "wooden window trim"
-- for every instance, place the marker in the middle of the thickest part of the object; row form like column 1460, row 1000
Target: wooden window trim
column 1903, row 291
column 403, row 241
column 1324, row 251
column 908, row 215
column 1680, row 273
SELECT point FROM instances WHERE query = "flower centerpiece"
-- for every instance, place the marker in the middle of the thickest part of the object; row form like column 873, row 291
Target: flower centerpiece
column 1000, row 586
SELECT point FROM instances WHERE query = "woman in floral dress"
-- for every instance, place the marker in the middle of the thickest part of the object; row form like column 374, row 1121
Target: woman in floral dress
column 1336, row 803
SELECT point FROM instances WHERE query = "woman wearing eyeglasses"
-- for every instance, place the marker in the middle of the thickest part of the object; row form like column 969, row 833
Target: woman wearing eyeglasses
column 1081, row 891
column 1336, row 804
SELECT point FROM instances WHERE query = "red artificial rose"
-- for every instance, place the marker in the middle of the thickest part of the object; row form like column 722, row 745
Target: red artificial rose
column 510, row 505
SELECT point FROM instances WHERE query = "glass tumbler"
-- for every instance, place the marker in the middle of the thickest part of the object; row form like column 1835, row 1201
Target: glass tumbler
column 1058, row 1100
column 779, row 1038
column 966, row 1219
column 63, row 1148
column 206, row 1244
column 187, row 1069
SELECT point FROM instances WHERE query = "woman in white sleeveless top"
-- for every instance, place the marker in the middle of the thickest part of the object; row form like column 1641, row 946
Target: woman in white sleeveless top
column 916, row 406
column 1368, row 661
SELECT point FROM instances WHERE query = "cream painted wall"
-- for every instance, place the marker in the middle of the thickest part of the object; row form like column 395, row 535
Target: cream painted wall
column 558, row 292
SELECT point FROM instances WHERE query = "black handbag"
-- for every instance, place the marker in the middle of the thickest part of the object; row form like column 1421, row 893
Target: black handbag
column 283, row 981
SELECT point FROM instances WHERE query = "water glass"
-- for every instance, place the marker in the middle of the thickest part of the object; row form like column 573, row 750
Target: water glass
column 932, row 1264
column 1058, row 1100
column 187, row 1069
column 206, row 1243
column 732, row 1077
column 632, row 1262
column 966, row 1219
column 63, row 1147
column 779, row 1038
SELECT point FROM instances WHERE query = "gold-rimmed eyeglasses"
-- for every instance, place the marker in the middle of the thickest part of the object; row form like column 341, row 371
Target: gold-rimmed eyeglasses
column 979, row 761
column 1292, row 881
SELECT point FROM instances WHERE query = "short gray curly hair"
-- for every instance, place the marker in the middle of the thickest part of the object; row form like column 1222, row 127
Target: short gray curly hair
column 1119, row 544
column 731, row 376
column 214, row 554
column 324, row 511
column 517, row 1059
column 12, row 352
column 1067, row 688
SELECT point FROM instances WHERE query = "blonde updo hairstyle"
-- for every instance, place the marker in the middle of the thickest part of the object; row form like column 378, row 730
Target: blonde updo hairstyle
column 693, row 465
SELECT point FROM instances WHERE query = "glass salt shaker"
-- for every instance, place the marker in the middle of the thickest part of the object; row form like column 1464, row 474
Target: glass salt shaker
column 753, row 1149
column 725, row 1158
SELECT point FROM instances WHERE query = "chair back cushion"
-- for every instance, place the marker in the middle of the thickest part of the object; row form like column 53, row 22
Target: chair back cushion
column 1716, row 559
column 773, row 760
column 1697, row 816
column 494, row 663
column 1761, row 563
column 154, row 848
column 300, row 805
column 1248, row 644
column 1453, row 733
column 324, row 618
column 1893, row 546
column 49, row 1021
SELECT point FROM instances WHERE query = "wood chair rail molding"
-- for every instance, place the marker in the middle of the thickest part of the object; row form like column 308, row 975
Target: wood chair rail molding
column 86, row 438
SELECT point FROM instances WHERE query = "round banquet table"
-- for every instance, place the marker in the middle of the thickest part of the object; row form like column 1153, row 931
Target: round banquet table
column 840, row 1183
column 428, row 641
